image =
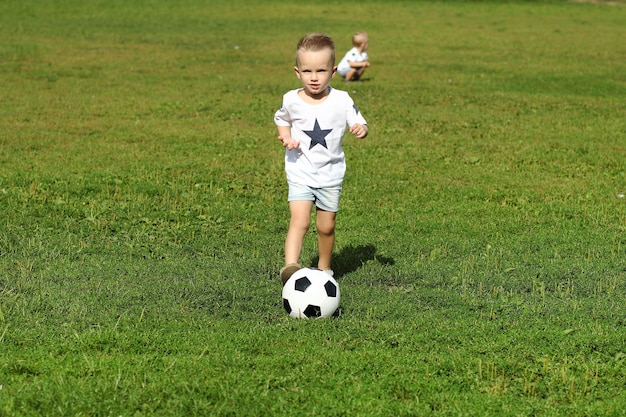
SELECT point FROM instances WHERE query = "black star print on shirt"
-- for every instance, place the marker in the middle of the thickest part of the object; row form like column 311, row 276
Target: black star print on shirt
column 317, row 135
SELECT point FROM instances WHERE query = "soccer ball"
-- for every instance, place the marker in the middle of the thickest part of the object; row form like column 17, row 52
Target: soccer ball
column 311, row 293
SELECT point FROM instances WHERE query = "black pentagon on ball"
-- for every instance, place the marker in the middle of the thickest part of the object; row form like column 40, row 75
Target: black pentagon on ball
column 312, row 311
column 331, row 289
column 287, row 305
column 302, row 284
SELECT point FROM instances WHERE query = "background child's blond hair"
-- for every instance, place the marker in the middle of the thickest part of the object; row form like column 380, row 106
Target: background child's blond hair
column 359, row 38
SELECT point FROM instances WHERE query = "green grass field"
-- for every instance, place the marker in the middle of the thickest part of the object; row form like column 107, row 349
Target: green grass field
column 481, row 240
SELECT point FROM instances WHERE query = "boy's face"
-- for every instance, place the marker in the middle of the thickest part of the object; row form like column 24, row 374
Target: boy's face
column 315, row 69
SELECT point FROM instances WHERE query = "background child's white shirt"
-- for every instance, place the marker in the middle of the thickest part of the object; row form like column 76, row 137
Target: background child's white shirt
column 352, row 55
column 320, row 160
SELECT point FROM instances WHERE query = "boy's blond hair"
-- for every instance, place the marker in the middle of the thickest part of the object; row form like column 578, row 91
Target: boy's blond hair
column 359, row 38
column 316, row 42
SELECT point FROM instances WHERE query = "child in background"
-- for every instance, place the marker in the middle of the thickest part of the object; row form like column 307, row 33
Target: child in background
column 355, row 62
column 311, row 124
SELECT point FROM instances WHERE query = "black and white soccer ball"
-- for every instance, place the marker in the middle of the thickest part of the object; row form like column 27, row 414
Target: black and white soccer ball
column 311, row 293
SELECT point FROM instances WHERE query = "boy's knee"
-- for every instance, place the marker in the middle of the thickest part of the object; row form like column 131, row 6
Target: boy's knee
column 302, row 223
column 326, row 229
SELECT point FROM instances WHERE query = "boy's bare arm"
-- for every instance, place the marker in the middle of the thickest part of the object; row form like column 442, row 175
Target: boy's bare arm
column 359, row 130
column 284, row 136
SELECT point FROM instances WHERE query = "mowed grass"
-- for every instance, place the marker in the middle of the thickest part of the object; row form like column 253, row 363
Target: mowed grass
column 480, row 242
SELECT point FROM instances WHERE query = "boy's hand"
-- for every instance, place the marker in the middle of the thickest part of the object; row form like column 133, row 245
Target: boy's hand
column 359, row 130
column 289, row 142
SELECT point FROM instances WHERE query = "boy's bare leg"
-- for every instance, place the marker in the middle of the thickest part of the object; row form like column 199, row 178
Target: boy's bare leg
column 298, row 227
column 325, row 222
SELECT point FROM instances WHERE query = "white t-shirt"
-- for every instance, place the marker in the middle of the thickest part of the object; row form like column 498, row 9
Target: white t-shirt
column 319, row 161
column 352, row 55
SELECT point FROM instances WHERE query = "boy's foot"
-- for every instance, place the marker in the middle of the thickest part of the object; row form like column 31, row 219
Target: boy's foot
column 288, row 270
column 329, row 272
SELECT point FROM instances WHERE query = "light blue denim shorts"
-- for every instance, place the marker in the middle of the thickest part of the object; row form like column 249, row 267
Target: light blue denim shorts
column 326, row 198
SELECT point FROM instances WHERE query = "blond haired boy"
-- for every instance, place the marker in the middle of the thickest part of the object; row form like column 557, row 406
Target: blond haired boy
column 353, row 65
column 311, row 124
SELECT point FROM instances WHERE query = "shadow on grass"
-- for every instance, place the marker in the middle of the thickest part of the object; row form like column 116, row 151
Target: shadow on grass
column 352, row 258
